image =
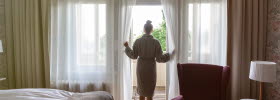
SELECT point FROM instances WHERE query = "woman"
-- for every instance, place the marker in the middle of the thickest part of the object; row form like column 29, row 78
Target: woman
column 148, row 51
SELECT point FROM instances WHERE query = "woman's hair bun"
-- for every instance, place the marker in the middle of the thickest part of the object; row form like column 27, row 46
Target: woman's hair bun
column 148, row 22
column 148, row 26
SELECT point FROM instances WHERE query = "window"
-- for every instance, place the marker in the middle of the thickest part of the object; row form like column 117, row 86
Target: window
column 81, row 45
column 206, row 28
column 91, row 34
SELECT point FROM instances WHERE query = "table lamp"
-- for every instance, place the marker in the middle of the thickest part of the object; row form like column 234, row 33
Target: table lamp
column 263, row 71
column 1, row 46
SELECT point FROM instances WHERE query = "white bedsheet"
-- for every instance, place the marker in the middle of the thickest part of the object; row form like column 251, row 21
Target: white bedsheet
column 51, row 94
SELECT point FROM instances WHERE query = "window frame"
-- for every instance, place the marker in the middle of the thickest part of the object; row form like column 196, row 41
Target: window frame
column 88, row 67
column 148, row 2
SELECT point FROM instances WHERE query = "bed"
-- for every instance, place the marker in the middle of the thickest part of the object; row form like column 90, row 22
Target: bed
column 52, row 94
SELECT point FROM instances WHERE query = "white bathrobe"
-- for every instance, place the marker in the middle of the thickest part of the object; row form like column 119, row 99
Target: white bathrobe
column 148, row 51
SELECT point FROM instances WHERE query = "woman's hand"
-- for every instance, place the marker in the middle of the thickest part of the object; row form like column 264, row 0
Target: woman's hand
column 125, row 44
column 173, row 52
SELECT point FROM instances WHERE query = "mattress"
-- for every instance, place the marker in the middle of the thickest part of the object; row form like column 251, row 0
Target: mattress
column 52, row 94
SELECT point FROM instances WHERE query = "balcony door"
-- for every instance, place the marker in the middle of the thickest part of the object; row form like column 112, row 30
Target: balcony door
column 142, row 12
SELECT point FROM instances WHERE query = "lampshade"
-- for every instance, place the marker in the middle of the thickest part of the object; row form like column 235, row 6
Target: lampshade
column 263, row 71
column 1, row 46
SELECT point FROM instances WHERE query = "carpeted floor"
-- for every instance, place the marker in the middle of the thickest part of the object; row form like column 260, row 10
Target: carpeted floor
column 159, row 94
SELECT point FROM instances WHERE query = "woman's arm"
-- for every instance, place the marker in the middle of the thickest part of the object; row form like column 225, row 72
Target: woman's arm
column 133, row 54
column 160, row 57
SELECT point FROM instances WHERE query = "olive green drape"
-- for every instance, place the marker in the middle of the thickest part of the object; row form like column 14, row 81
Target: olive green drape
column 246, row 42
column 27, row 23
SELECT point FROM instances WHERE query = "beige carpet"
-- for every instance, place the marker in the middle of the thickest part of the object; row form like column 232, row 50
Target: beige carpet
column 159, row 94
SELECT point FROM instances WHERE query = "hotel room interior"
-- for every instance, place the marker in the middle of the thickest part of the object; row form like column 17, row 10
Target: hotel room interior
column 73, row 49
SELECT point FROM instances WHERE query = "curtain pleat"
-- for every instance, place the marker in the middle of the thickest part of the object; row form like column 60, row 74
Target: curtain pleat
column 27, row 35
column 246, row 42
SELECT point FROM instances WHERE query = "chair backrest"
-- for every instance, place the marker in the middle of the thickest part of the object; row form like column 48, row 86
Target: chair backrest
column 203, row 81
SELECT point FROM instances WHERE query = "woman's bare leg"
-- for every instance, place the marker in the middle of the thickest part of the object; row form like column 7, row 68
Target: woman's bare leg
column 150, row 98
column 142, row 98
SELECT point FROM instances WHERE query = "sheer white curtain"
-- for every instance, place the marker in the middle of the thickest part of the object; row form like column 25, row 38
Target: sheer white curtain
column 123, row 21
column 87, row 50
column 171, row 12
column 205, row 22
column 197, row 31
column 81, row 44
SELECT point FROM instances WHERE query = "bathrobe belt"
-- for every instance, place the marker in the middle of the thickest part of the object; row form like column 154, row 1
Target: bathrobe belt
column 146, row 58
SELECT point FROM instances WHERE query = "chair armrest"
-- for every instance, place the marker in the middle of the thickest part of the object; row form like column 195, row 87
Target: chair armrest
column 178, row 98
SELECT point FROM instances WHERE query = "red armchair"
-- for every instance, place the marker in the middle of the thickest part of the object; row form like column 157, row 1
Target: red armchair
column 202, row 82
